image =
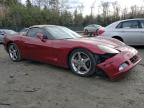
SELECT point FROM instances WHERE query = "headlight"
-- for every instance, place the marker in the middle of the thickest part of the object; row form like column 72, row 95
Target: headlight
column 108, row 49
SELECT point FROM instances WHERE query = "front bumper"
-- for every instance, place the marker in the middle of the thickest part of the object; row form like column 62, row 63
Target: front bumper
column 111, row 66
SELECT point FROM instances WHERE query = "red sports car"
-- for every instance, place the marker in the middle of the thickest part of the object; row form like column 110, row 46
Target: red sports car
column 63, row 47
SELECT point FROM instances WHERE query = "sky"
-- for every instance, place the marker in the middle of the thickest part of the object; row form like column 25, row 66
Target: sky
column 88, row 3
column 122, row 3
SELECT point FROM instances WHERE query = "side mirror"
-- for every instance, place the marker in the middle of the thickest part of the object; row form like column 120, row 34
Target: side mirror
column 41, row 37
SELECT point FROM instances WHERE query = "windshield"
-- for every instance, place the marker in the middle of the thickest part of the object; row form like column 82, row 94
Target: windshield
column 96, row 25
column 62, row 33
column 9, row 32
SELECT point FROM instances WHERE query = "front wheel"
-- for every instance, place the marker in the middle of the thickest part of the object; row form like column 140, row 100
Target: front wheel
column 82, row 62
column 86, row 31
column 14, row 52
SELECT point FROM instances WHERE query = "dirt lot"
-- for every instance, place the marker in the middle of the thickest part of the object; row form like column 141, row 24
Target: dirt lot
column 30, row 84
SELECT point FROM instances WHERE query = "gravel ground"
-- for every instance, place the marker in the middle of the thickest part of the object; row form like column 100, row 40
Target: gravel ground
column 30, row 84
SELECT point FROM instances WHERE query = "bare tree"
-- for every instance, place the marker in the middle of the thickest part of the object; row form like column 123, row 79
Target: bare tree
column 92, row 7
column 124, row 13
column 80, row 8
column 37, row 2
column 105, row 8
column 116, row 10
column 54, row 4
column 134, row 11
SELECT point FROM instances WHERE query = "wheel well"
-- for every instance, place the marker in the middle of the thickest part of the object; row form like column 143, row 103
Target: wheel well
column 86, row 30
column 118, row 37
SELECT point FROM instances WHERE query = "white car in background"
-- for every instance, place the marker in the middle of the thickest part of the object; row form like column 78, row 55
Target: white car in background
column 92, row 28
column 130, row 31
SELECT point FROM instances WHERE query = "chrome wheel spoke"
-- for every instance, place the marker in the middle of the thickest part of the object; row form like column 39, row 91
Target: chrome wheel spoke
column 86, row 60
column 79, row 67
column 15, row 55
column 85, row 67
column 79, row 55
column 10, row 51
column 13, row 52
column 75, row 62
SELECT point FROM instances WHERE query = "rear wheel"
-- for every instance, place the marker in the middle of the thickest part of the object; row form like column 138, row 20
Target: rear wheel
column 82, row 62
column 86, row 31
column 14, row 52
column 118, row 38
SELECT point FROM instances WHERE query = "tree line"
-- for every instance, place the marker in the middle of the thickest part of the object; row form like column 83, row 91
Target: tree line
column 15, row 14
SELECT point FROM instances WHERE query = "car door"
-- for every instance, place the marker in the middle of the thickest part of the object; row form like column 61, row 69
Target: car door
column 92, row 28
column 1, row 36
column 141, row 32
column 129, row 31
column 36, row 49
column 89, row 28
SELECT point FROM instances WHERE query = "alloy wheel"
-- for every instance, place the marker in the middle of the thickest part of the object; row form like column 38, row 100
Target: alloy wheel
column 13, row 52
column 81, row 63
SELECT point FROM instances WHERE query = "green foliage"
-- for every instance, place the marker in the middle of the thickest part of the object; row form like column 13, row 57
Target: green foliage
column 66, row 19
column 78, row 18
column 9, row 2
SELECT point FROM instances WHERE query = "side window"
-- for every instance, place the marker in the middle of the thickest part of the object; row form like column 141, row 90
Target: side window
column 142, row 23
column 119, row 25
column 130, row 24
column 33, row 32
column 134, row 24
column 93, row 25
column 89, row 25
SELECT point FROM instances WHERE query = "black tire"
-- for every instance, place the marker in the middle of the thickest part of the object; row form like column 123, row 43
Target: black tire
column 17, row 57
column 86, row 31
column 92, row 60
column 118, row 38
column 97, row 32
column 91, row 34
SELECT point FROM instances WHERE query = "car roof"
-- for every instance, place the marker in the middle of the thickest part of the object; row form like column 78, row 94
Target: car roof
column 130, row 19
column 114, row 24
column 93, row 24
column 4, row 29
column 42, row 26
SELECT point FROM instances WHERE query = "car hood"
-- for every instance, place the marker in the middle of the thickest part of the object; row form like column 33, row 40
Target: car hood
column 110, row 42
